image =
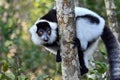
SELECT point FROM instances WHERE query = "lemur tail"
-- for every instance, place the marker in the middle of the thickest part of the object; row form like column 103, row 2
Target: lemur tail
column 113, row 48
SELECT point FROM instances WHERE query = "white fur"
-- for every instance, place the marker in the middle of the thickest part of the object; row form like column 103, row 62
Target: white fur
column 85, row 30
column 34, row 36
column 82, row 11
column 88, row 55
column 36, row 39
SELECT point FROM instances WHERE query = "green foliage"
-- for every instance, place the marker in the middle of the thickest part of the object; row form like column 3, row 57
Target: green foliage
column 42, row 77
column 117, row 3
column 19, row 58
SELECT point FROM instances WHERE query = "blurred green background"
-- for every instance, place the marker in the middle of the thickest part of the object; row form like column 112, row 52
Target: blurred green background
column 20, row 59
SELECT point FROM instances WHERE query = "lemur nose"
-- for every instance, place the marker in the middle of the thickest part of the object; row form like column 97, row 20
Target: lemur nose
column 45, row 40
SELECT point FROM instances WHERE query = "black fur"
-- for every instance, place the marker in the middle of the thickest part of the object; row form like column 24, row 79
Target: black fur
column 58, row 56
column 50, row 16
column 91, row 42
column 83, row 68
column 91, row 18
column 42, row 25
column 113, row 49
column 108, row 39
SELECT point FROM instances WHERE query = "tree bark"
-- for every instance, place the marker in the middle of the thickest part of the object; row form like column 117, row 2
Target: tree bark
column 112, row 20
column 77, row 2
column 66, row 21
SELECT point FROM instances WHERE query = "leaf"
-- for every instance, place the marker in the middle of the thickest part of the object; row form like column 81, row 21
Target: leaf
column 0, row 75
column 103, row 51
column 36, row 4
column 8, row 43
column 22, row 77
column 102, row 67
column 10, row 75
column 4, row 67
column 42, row 77
column 4, row 77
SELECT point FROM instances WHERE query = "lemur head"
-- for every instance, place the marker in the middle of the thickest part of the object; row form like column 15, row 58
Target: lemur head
column 43, row 32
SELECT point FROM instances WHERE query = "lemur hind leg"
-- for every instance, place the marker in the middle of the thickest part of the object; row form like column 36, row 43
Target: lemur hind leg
column 83, row 68
column 88, row 55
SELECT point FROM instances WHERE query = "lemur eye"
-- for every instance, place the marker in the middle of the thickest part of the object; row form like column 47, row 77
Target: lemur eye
column 49, row 32
column 40, row 33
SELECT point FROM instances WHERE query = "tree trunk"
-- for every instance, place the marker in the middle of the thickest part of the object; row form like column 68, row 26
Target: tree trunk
column 66, row 20
column 112, row 20
column 77, row 2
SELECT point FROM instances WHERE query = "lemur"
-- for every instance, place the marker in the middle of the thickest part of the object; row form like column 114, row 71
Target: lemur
column 89, row 27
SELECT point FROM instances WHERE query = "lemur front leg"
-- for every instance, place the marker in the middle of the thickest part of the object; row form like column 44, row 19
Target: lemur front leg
column 58, row 56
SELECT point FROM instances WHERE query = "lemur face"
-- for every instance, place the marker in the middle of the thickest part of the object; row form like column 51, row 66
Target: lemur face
column 43, row 32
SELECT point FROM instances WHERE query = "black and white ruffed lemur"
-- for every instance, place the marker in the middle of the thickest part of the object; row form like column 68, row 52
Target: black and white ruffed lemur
column 89, row 27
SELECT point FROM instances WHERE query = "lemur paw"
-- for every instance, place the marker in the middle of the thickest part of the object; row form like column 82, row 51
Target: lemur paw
column 75, row 42
column 58, row 58
column 83, row 71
